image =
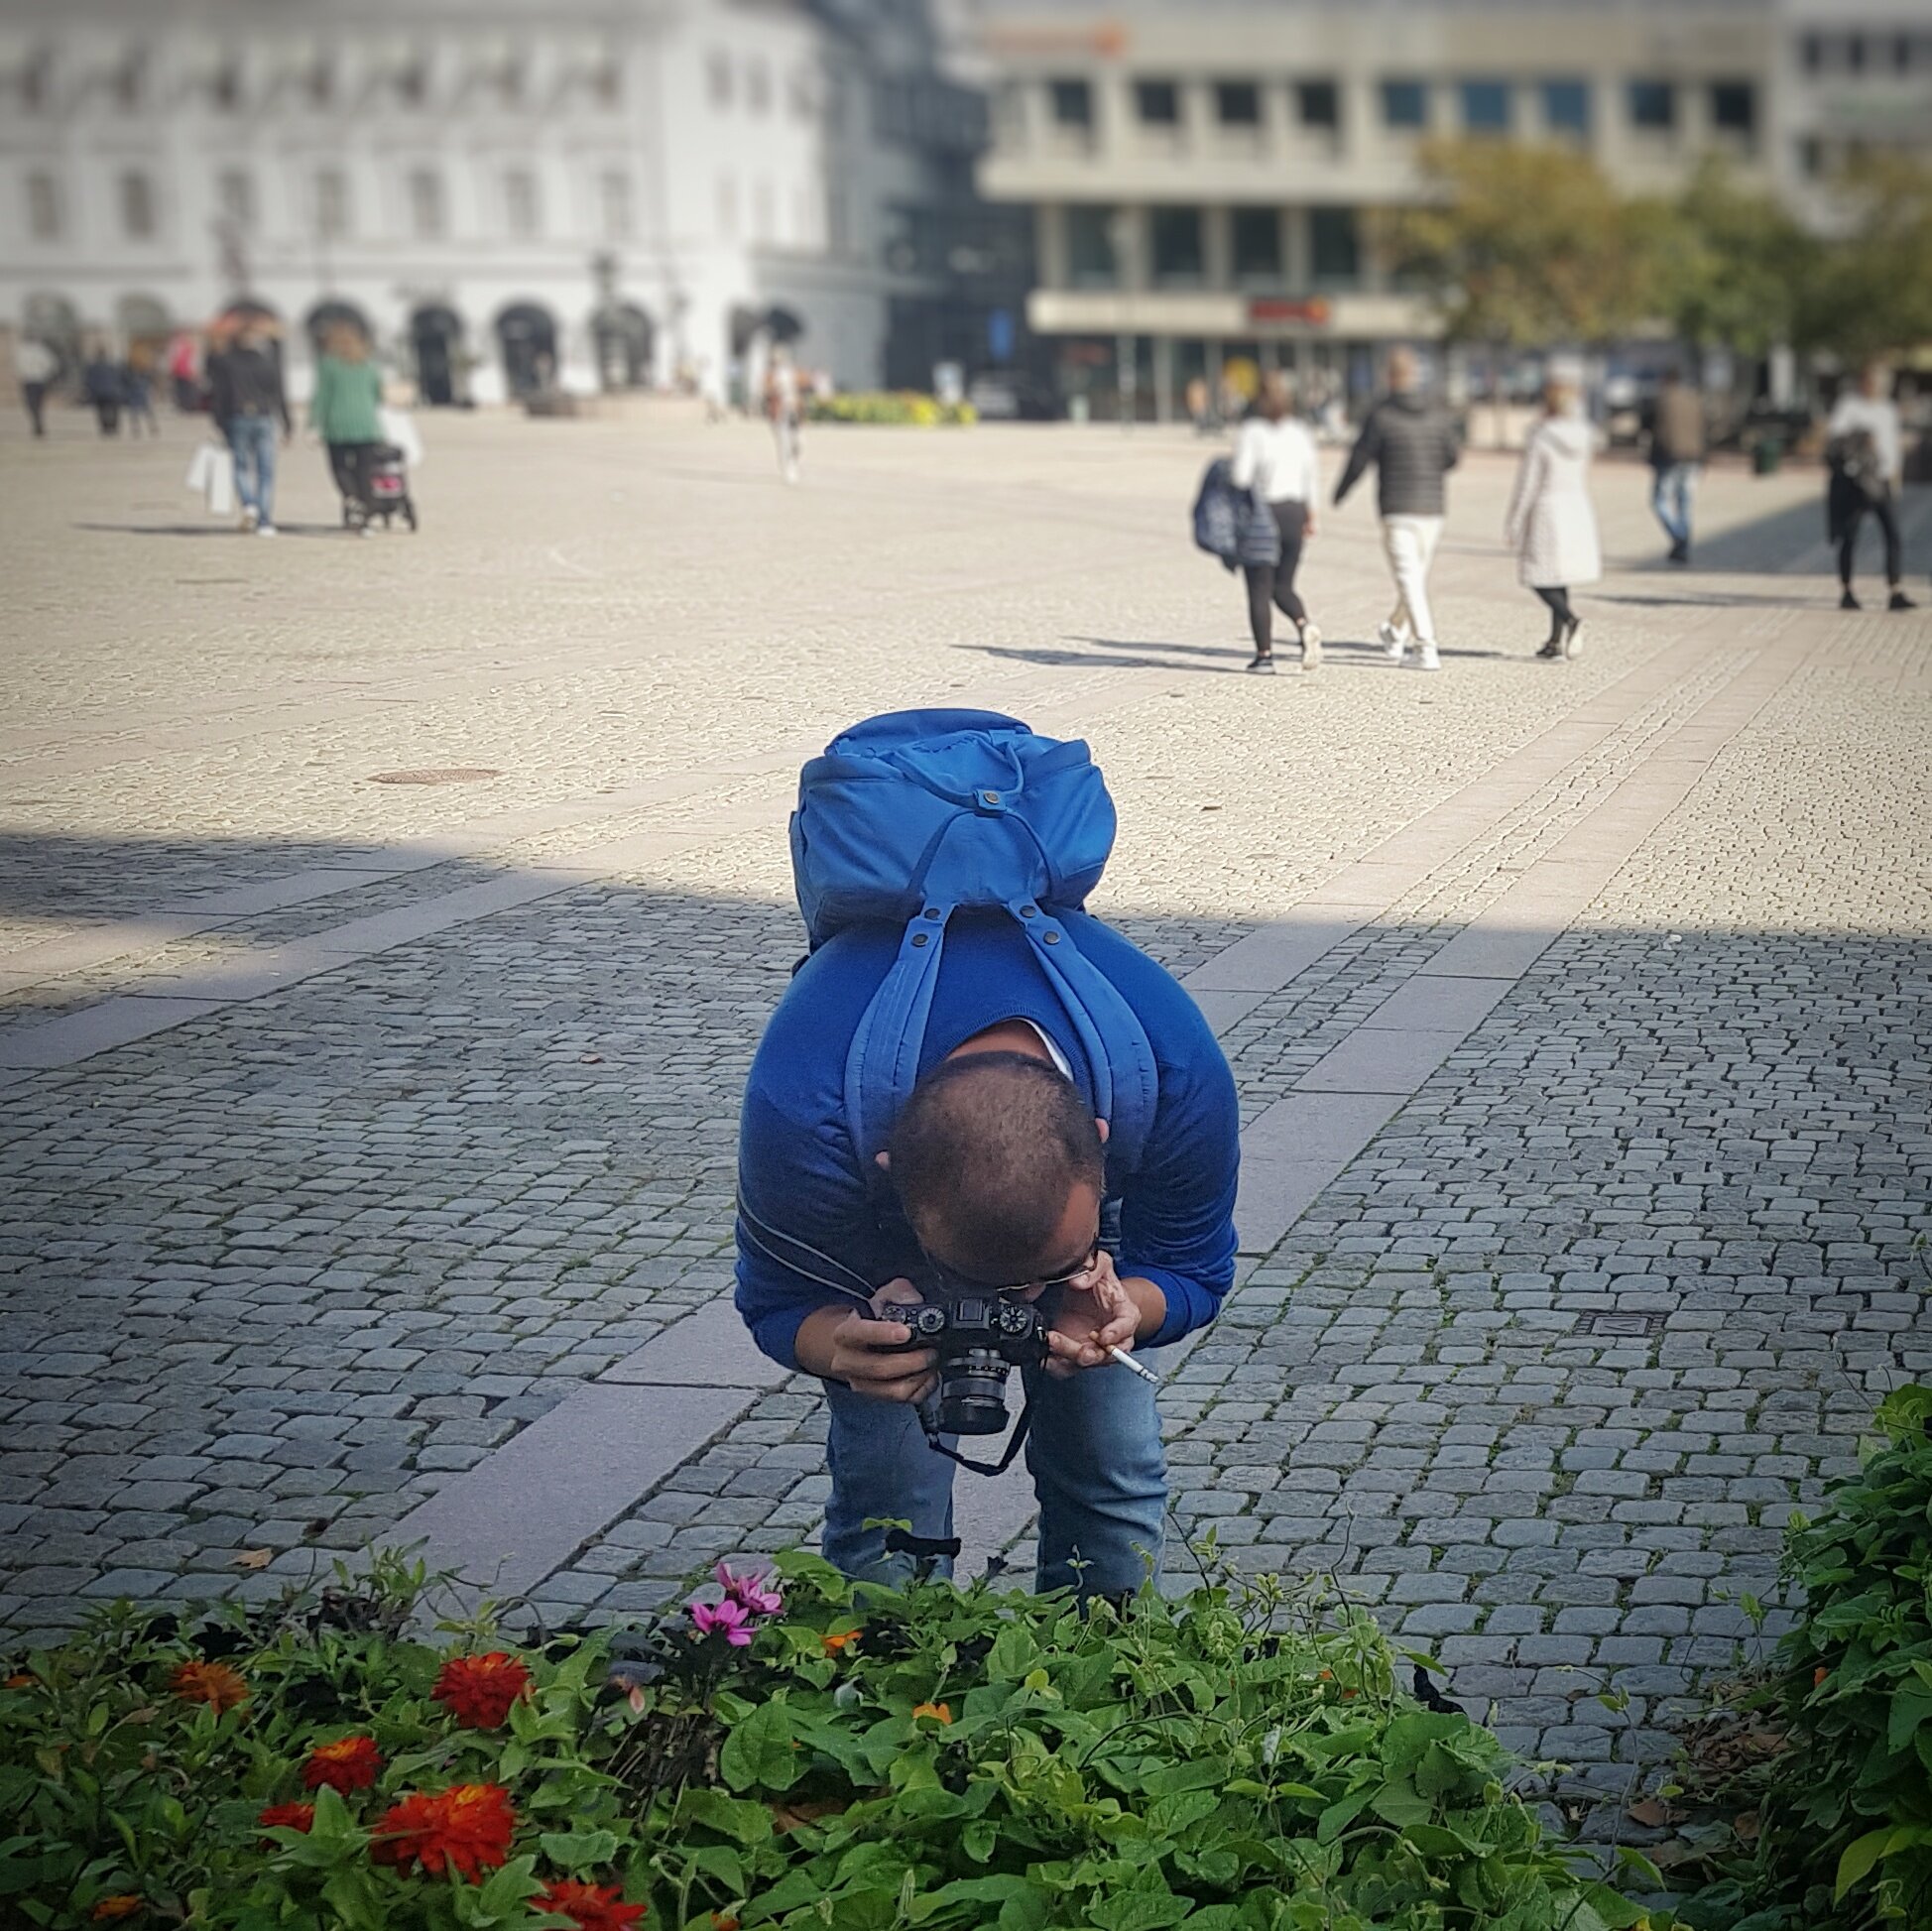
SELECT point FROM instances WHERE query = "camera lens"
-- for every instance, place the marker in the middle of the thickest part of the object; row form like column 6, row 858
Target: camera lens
column 973, row 1395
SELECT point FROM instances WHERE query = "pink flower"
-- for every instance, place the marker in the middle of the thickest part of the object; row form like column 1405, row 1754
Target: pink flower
column 730, row 1617
column 754, row 1591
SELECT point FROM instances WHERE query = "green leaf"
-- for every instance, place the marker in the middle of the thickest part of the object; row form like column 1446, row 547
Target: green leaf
column 737, row 1818
column 1398, row 1802
column 1139, row 1910
column 761, row 1752
column 1908, row 1710
column 1860, row 1854
column 578, row 1851
column 1339, row 1816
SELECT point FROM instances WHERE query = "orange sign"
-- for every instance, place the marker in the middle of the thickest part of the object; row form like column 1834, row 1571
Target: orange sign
column 1284, row 308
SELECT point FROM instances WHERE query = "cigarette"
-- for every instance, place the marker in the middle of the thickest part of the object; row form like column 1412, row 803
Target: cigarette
column 1126, row 1359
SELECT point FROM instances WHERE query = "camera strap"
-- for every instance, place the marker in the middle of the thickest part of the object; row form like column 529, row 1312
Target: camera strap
column 1005, row 1462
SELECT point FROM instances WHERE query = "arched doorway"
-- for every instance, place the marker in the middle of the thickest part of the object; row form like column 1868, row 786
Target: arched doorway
column 144, row 323
column 527, row 335
column 625, row 339
column 436, row 341
column 325, row 318
column 54, row 319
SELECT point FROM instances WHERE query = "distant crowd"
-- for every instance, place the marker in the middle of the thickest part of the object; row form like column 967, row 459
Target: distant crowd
column 1256, row 511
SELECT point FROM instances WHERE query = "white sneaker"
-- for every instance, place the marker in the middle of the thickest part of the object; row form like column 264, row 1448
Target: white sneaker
column 265, row 530
column 1392, row 641
column 1431, row 657
column 1311, row 647
column 249, row 519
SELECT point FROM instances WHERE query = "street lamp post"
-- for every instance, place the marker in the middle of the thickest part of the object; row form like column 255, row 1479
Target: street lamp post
column 1124, row 232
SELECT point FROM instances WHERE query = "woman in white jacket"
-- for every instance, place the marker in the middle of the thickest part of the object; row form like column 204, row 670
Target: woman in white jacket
column 1276, row 460
column 1552, row 525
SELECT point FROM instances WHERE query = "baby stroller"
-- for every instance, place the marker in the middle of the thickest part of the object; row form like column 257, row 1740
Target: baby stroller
column 379, row 486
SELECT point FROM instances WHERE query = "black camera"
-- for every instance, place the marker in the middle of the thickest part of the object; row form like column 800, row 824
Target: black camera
column 980, row 1336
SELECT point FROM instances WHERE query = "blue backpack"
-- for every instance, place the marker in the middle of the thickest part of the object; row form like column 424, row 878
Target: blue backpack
column 1230, row 524
column 915, row 815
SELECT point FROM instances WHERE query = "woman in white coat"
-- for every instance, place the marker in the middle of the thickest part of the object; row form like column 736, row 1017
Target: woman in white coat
column 1552, row 525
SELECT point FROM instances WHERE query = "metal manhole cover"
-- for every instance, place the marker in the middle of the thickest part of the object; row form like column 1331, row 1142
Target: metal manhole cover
column 1629, row 1327
column 468, row 776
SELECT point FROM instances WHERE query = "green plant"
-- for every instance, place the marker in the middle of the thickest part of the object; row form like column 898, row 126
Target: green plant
column 1844, row 1809
column 806, row 1752
column 899, row 406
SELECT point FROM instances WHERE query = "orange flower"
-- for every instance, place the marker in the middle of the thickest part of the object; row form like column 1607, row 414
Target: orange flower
column 479, row 1690
column 348, row 1765
column 20, row 1680
column 939, row 1712
column 288, row 1816
column 723, row 1921
column 214, row 1684
column 1818, row 1675
column 832, row 1644
column 122, row 1905
column 591, row 1907
column 466, row 1828
column 1325, row 1675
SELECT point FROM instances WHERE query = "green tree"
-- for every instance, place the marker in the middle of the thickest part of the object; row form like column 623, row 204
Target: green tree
column 1727, row 267
column 1873, row 292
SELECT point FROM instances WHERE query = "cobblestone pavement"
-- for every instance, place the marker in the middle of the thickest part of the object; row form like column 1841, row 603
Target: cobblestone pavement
column 346, row 1128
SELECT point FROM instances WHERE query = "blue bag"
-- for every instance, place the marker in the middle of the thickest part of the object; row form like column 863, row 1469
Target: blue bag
column 1230, row 524
column 915, row 815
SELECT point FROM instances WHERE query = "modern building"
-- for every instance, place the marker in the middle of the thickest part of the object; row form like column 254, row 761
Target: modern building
column 599, row 193
column 1202, row 177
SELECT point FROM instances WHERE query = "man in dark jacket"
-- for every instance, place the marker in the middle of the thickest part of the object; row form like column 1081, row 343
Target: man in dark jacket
column 1677, row 436
column 1413, row 443
column 247, row 401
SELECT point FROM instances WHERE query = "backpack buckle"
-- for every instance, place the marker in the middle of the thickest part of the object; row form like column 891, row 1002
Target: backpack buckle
column 991, row 803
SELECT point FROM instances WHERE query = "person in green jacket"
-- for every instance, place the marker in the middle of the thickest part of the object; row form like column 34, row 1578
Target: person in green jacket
column 344, row 411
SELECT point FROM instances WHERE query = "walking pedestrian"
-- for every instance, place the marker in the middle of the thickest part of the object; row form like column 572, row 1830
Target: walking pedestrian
column 1867, row 453
column 181, row 373
column 247, row 399
column 34, row 367
column 1276, row 460
column 1412, row 444
column 136, row 390
column 100, row 383
column 1551, row 524
column 345, row 411
column 1679, row 436
column 783, row 410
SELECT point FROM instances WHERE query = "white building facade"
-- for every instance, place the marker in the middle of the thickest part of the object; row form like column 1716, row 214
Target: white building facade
column 507, row 193
column 1203, row 178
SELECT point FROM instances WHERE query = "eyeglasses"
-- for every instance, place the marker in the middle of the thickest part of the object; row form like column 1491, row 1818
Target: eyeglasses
column 1074, row 1278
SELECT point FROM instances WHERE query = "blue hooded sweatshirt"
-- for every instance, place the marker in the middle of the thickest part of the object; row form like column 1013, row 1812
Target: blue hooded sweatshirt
column 811, row 1220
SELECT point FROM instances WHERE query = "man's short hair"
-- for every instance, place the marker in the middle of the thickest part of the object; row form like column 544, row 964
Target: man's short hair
column 985, row 1154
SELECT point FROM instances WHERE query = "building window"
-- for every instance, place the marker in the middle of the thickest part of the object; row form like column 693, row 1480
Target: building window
column 1733, row 107
column 761, row 210
column 718, row 72
column 224, row 88
column 412, row 85
column 1566, row 106
column 727, row 207
column 1318, row 104
column 758, row 86
column 43, row 207
column 1157, row 102
column 520, row 210
column 1256, row 246
column 803, row 95
column 1811, row 53
column 1334, row 246
column 1237, row 103
column 1654, row 106
column 1073, row 103
column 838, row 219
column 235, row 196
column 1090, row 248
column 427, row 215
column 616, row 193
column 331, row 204
column 1177, row 255
column 1486, row 106
column 136, row 206
column 1405, row 104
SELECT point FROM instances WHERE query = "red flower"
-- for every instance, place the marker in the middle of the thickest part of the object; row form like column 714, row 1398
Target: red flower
column 214, row 1684
column 348, row 1765
column 466, row 1828
column 479, row 1690
column 591, row 1907
column 122, row 1905
column 288, row 1816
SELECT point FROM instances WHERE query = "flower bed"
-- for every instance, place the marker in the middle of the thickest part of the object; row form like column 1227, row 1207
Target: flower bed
column 791, row 1750
column 897, row 406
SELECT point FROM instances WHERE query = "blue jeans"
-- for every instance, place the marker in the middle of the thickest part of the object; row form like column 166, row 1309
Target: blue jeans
column 1671, row 499
column 1093, row 1451
column 252, row 438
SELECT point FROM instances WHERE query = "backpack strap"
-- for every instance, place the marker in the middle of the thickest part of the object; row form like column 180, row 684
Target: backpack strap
column 883, row 1063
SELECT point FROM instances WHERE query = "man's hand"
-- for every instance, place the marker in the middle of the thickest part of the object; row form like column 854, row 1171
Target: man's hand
column 1097, row 1314
column 840, row 1344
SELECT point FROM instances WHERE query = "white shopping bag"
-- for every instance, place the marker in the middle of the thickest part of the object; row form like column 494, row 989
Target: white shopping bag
column 221, row 480
column 196, row 478
column 399, row 427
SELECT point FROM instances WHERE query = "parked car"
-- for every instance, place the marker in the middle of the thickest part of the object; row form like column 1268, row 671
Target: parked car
column 1012, row 399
